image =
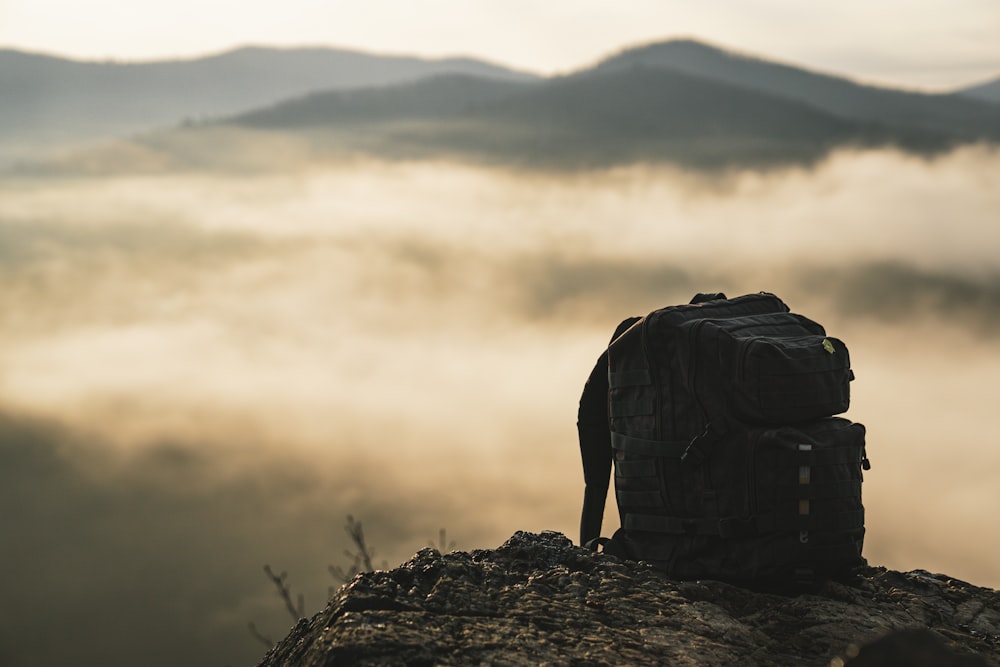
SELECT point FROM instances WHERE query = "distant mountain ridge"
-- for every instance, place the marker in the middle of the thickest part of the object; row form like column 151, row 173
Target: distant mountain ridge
column 987, row 92
column 952, row 113
column 678, row 101
column 433, row 97
column 46, row 97
column 682, row 101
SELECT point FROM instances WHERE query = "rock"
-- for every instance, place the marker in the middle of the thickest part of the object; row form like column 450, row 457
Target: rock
column 913, row 648
column 538, row 599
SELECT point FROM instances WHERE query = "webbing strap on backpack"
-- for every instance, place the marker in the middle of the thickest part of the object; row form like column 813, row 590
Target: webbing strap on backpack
column 595, row 444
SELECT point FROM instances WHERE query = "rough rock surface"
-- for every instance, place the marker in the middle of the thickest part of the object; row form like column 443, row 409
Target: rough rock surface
column 538, row 599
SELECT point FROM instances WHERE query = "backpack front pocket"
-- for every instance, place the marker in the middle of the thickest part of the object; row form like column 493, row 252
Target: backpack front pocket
column 789, row 379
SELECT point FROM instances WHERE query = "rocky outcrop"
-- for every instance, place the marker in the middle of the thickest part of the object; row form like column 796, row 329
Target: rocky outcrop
column 538, row 599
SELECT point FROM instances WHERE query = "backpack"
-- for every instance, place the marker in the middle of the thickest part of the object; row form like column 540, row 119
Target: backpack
column 729, row 463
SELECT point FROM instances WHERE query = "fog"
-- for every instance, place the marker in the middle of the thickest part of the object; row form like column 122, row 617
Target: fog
column 202, row 371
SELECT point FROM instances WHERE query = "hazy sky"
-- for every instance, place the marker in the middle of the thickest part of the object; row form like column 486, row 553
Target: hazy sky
column 923, row 43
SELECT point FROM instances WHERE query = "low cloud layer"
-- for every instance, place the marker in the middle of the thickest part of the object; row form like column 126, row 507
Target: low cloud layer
column 204, row 372
column 159, row 552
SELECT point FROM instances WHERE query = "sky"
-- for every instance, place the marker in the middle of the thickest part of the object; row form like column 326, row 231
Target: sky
column 921, row 44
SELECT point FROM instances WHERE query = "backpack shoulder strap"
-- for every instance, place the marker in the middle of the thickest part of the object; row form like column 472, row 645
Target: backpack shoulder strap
column 595, row 443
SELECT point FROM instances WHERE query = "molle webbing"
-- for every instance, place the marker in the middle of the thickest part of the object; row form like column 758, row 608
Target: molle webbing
column 644, row 447
column 637, row 377
column 635, row 468
column 745, row 526
column 815, row 458
column 644, row 406
column 818, row 491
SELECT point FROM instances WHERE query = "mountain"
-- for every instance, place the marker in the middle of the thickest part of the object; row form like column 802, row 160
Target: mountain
column 537, row 599
column 596, row 117
column 434, row 97
column 954, row 114
column 645, row 112
column 986, row 92
column 678, row 101
column 49, row 98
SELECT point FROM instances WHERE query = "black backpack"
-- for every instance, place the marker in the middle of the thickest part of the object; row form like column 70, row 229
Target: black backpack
column 728, row 461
